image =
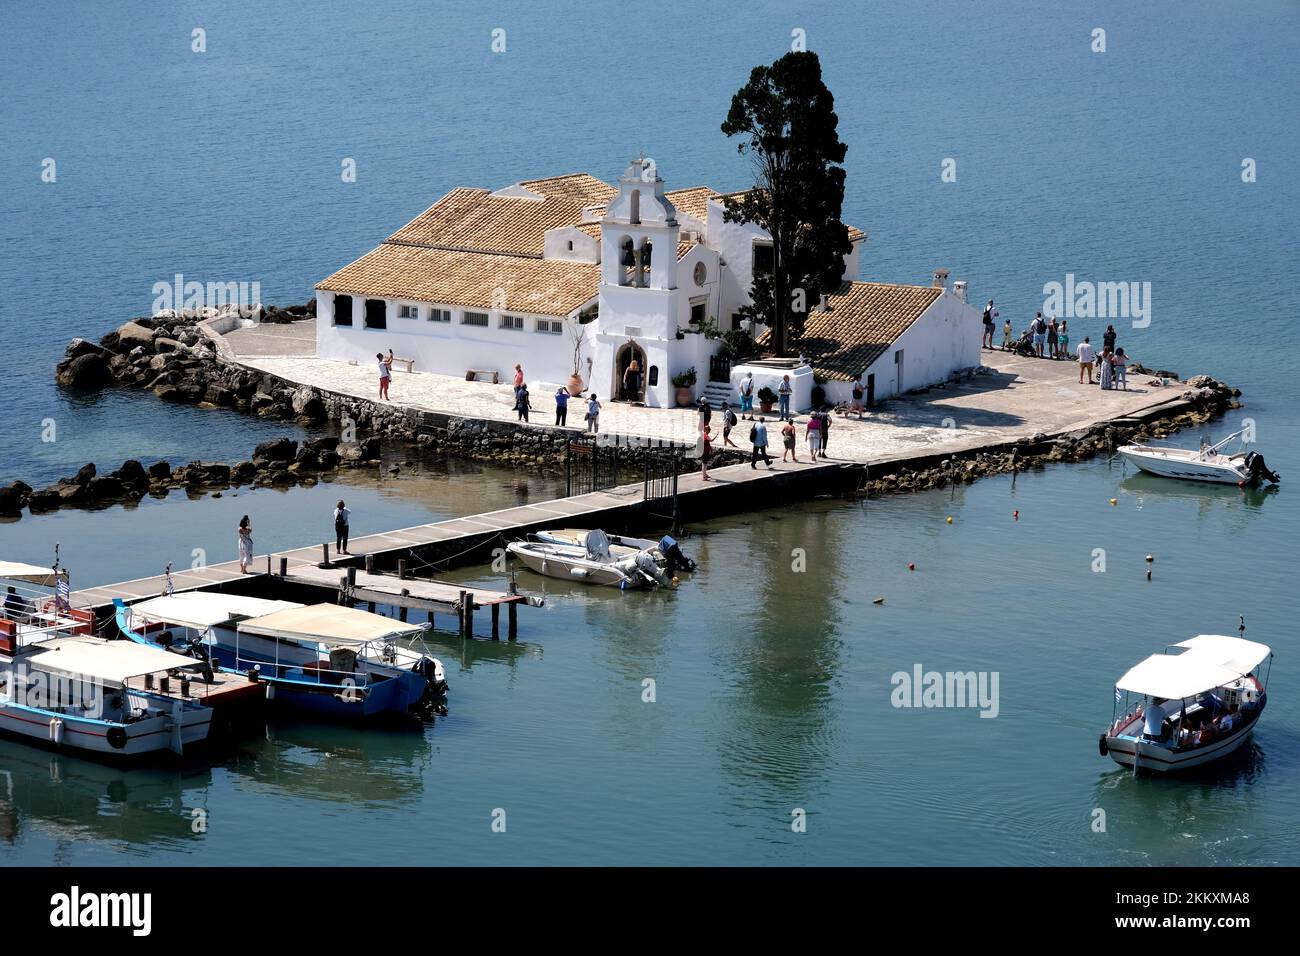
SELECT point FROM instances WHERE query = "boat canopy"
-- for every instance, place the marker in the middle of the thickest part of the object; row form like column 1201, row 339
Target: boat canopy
column 112, row 662
column 31, row 573
column 329, row 624
column 204, row 609
column 1233, row 653
column 1207, row 661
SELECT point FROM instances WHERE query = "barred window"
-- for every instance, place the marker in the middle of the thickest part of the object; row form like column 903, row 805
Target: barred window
column 550, row 326
column 440, row 315
column 515, row 322
column 475, row 318
column 408, row 312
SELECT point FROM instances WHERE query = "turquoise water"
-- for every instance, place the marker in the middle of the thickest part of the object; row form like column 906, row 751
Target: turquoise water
column 772, row 686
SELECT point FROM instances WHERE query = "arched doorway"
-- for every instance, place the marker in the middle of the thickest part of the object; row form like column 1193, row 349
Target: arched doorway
column 622, row 361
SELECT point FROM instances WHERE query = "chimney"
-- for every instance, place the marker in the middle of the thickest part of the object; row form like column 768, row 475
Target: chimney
column 959, row 289
column 821, row 303
column 941, row 278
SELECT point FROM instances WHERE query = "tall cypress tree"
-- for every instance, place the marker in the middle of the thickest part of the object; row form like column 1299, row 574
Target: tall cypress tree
column 786, row 119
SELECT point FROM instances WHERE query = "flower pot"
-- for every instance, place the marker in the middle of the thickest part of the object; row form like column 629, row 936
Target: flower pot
column 575, row 385
column 765, row 408
column 685, row 396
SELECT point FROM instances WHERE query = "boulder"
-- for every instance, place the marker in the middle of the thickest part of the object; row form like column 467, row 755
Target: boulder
column 324, row 443
column 350, row 452
column 86, row 371
column 243, row 472
column 306, row 403
column 276, row 450
column 105, row 488
column 132, row 474
column 47, row 499
column 11, row 503
column 82, row 347
column 160, row 471
column 162, row 345
column 83, row 476
column 134, row 335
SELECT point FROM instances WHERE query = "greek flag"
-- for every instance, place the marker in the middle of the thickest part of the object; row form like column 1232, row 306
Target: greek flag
column 171, row 591
column 62, row 593
column 1118, row 695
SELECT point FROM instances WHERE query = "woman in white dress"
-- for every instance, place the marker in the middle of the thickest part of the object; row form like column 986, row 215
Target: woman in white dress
column 245, row 544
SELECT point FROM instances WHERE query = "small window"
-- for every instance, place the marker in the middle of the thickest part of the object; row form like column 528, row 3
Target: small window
column 440, row 315
column 475, row 318
column 764, row 258
column 697, row 313
column 515, row 322
column 653, row 376
column 570, row 245
column 550, row 326
column 408, row 312
column 376, row 314
column 342, row 310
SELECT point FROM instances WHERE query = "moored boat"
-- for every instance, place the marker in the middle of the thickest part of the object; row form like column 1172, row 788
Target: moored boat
column 321, row 658
column 1208, row 463
column 1196, row 703
column 592, row 563
column 666, row 551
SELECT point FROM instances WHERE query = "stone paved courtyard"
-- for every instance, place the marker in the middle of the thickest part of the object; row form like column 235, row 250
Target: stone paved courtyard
column 1021, row 396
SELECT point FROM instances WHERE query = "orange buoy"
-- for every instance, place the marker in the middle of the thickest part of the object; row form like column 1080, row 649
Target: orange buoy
column 1016, row 515
column 911, row 566
column 950, row 519
column 1114, row 502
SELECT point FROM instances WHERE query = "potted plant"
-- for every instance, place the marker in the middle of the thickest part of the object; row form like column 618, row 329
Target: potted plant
column 766, row 399
column 578, row 333
column 684, row 382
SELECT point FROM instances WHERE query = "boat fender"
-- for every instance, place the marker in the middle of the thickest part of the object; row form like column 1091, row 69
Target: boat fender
column 1101, row 745
column 56, row 730
column 116, row 737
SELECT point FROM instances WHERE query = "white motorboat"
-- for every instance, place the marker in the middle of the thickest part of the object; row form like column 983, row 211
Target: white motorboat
column 1208, row 463
column 1197, row 702
column 669, row 556
column 63, row 687
column 592, row 563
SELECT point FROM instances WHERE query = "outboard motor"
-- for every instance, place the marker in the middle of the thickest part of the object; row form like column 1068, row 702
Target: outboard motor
column 1256, row 469
column 430, row 668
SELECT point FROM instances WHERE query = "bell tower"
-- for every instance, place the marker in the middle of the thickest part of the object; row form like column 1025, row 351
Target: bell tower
column 638, row 234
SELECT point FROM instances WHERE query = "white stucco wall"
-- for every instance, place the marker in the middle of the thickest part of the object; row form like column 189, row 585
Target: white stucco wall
column 448, row 348
column 945, row 339
column 801, row 380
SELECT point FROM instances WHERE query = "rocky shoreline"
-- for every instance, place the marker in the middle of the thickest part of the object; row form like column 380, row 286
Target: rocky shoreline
column 180, row 358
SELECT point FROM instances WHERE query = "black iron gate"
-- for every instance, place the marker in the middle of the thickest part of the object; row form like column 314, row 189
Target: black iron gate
column 589, row 466
column 720, row 369
column 662, row 466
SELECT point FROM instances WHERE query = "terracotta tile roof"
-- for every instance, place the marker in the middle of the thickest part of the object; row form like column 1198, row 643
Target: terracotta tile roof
column 861, row 322
column 693, row 201
column 468, row 279
column 477, row 220
column 578, row 187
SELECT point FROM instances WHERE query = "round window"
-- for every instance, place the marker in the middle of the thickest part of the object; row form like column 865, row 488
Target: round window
column 701, row 273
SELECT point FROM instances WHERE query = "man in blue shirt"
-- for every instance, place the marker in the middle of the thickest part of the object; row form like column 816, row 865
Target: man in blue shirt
column 758, row 437
column 561, row 406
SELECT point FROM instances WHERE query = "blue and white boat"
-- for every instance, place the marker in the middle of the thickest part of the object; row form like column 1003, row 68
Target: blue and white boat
column 322, row 658
column 65, row 688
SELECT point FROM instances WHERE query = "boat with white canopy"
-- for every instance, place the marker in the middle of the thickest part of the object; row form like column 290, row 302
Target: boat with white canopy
column 1208, row 463
column 64, row 687
column 323, row 658
column 1197, row 702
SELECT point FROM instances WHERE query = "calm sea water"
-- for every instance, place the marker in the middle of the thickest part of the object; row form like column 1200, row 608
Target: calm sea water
column 772, row 687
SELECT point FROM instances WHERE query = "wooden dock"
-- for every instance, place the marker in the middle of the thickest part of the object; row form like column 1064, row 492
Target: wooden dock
column 440, row 545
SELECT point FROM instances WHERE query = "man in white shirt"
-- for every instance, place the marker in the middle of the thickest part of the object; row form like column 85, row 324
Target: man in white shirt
column 1086, row 355
column 1154, row 720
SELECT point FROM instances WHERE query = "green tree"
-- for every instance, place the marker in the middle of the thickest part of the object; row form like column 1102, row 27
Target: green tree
column 786, row 119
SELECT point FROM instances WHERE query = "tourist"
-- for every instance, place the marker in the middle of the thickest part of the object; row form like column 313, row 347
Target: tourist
column 593, row 414
column 826, row 431
column 747, row 396
column 1006, row 336
column 814, row 434
column 1104, row 368
column 758, row 439
column 1153, row 727
column 521, row 402
column 706, row 412
column 632, row 382
column 1086, row 355
column 561, row 406
column 857, row 397
column 1063, row 341
column 1052, row 335
column 1039, row 328
column 783, row 392
column 518, row 380
column 385, row 376
column 246, row 543
column 342, row 516
column 728, row 423
column 1108, row 338
column 989, row 316
column 788, row 438
column 706, row 449
column 16, row 607
column 1119, row 362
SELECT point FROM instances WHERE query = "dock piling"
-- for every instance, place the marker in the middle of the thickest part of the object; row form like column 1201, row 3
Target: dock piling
column 370, row 564
column 401, row 610
column 512, row 620
column 401, row 569
column 284, row 566
column 496, row 622
column 326, row 549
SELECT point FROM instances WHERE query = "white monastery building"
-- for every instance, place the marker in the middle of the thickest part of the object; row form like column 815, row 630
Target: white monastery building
column 572, row 275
